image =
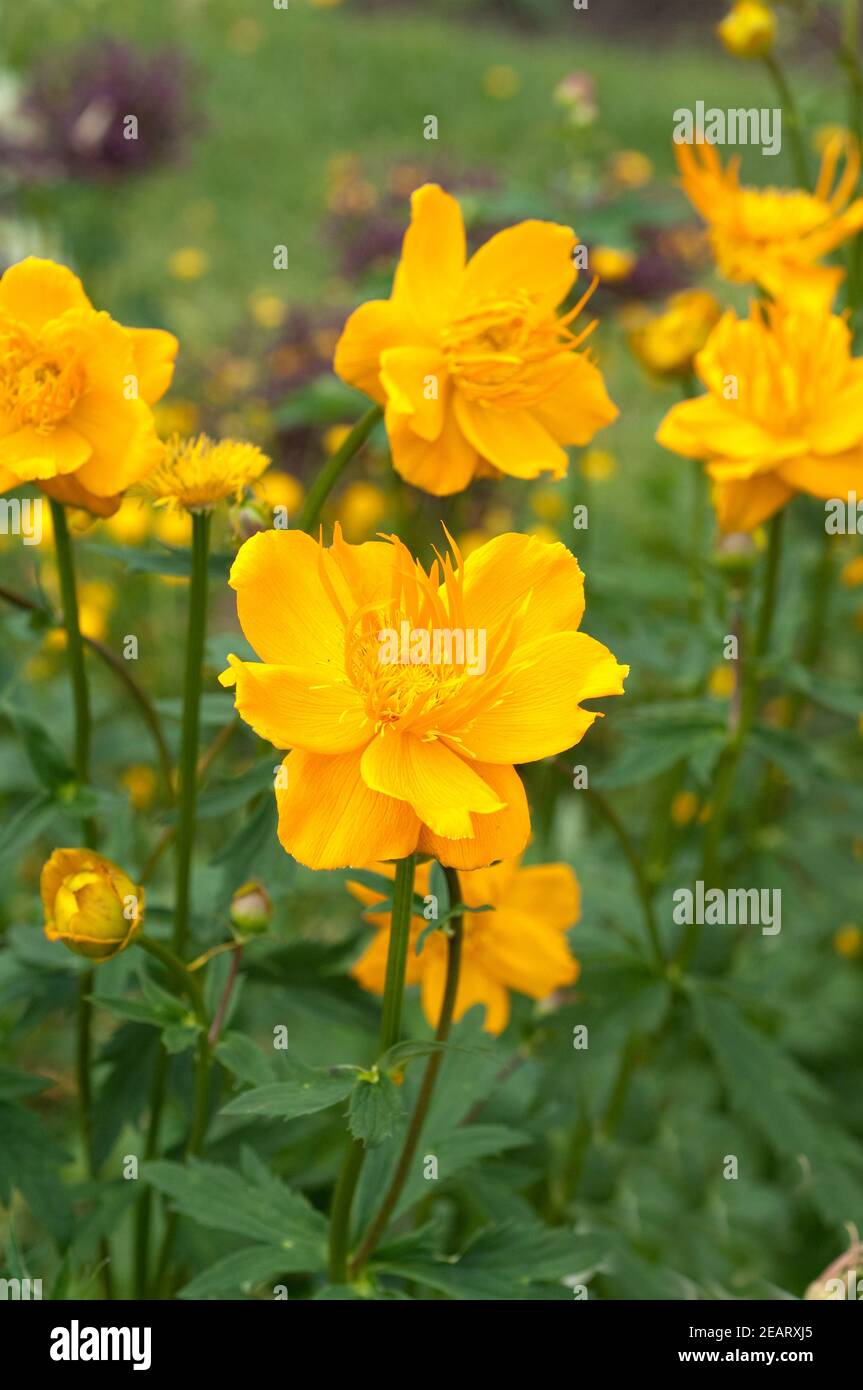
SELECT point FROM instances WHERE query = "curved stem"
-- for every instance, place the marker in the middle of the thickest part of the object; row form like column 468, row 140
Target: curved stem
column 394, row 988
column 792, row 117
column 639, row 877
column 188, row 768
column 335, row 466
column 188, row 982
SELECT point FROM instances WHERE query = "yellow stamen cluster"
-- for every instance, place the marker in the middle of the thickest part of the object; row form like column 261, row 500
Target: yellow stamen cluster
column 197, row 473
column 37, row 390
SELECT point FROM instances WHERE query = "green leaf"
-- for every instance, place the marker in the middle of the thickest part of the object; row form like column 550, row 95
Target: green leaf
column 15, row 1083
column 826, row 693
column 244, row 1059
column 374, row 1110
column 240, row 1273
column 48, row 763
column 168, row 559
column 26, row 824
column 499, row 1264
column 262, row 1209
column 310, row 1089
column 29, row 1160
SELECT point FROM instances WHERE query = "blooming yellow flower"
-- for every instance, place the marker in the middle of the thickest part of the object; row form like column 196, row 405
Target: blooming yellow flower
column 90, row 905
column 362, row 506
column 598, row 465
column 131, row 523
column 520, row 945
column 501, row 82
column 279, row 489
column 611, row 263
column 749, row 29
column 666, row 342
column 188, row 263
column 851, row 573
column 783, row 412
column 470, row 360
column 774, row 237
column 630, row 168
column 722, row 681
column 140, row 782
column 75, row 390
column 408, row 695
column 198, row 473
column 848, row 941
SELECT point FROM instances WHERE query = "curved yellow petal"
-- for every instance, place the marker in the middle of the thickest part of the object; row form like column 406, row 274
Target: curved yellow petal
column 500, row 835
column 329, row 819
column 548, row 892
column 433, row 256
column 474, row 987
column 522, row 953
column 533, row 257
column 741, row 505
column 825, row 477
column 441, row 467
column 414, row 379
column 293, row 708
column 512, row 569
column 285, row 608
column 513, row 440
column 579, row 406
column 36, row 291
column 370, row 330
column 154, row 352
column 32, row 456
column 440, row 786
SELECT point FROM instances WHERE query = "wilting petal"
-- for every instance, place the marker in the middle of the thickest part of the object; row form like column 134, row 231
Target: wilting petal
column 329, row 819
column 440, row 786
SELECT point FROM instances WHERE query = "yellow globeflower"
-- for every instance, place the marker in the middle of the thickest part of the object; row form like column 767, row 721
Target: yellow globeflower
column 90, row 905
column 361, row 507
column 774, row 237
column 279, row 489
column 131, row 524
column 408, row 695
column 198, row 473
column 75, row 390
column 140, row 782
column 783, row 412
column 610, row 263
column 666, row 343
column 520, row 945
column 848, row 941
column 470, row 360
column 749, row 29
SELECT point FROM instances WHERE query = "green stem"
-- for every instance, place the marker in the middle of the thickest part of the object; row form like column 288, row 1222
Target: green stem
column 75, row 652
column 188, row 768
column 792, row 120
column 424, row 1095
column 729, row 761
column 639, row 877
column 184, row 977
column 397, row 954
column 151, row 1149
column 335, row 466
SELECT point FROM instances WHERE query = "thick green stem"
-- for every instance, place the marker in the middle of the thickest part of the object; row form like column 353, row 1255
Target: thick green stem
column 394, row 988
column 427, row 1085
column 335, row 466
column 188, row 769
column 181, row 973
column 729, row 761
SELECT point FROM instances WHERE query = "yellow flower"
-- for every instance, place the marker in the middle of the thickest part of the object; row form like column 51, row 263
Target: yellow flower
column 172, row 528
column 335, row 437
column 130, row 524
column 721, row 681
column 665, row 343
column 851, row 574
column 783, row 412
column 140, row 782
column 501, row 82
column 90, row 905
column 268, row 309
column 774, row 237
column 684, row 807
column 408, row 695
column 611, row 264
column 279, row 489
column 470, row 360
column 748, row 30
column 520, row 945
column 197, row 473
column 598, row 464
column 188, row 263
column 631, row 168
column 361, row 508
column 548, row 503
column 75, row 390
column 848, row 941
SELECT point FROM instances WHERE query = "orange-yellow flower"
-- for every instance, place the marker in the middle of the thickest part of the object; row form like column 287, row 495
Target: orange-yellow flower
column 90, row 904
column 470, row 359
column 783, row 412
column 519, row 945
column 75, row 390
column 775, row 237
column 748, row 30
column 197, row 473
column 408, row 695
column 666, row 342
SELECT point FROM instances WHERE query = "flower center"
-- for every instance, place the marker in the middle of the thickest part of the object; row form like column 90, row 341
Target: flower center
column 404, row 671
column 37, row 390
column 507, row 352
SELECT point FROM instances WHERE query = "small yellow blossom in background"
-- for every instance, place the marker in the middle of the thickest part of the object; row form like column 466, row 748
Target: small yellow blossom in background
column 666, row 343
column 777, row 712
column 501, row 82
column 473, row 540
column 267, row 309
column 748, row 30
column 188, row 263
column 547, row 503
column 795, row 422
column 469, row 357
column 90, row 904
column 361, row 508
column 131, row 524
column 848, row 942
column 376, row 769
column 176, row 417
column 140, row 782
column 630, row 169
column 172, row 528
column 541, row 531
column 279, row 489
column 610, row 263
column 597, row 465
column 68, row 421
column 851, row 574
column 721, row 681
column 245, row 36
column 520, row 945
column 334, row 438
column 198, row 473
column 827, row 135
column 684, row 807
column 498, row 519
column 775, row 237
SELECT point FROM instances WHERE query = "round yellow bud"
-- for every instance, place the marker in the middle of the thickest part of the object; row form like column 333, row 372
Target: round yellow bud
column 90, row 904
column 748, row 30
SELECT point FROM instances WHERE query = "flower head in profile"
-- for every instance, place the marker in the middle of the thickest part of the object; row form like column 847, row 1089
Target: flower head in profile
column 75, row 390
column 407, row 695
column 749, row 29
column 666, row 342
column 783, row 412
column 90, row 904
column 197, row 473
column 469, row 357
column 775, row 237
column 519, row 945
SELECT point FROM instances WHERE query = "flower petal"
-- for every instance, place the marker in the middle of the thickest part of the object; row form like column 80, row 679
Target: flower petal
column 36, row 291
column 373, row 327
column 329, row 819
column 440, row 786
column 31, row 455
column 512, row 568
column 154, row 351
column 500, row 835
column 579, row 406
column 433, row 256
column 742, row 504
column 291, row 708
column 533, row 257
column 405, row 374
column 285, row 609
column 513, row 440
column 441, row 467
column 548, row 892
column 525, row 954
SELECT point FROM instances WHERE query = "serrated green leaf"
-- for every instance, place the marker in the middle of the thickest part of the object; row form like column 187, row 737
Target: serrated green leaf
column 310, row 1089
column 374, row 1110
